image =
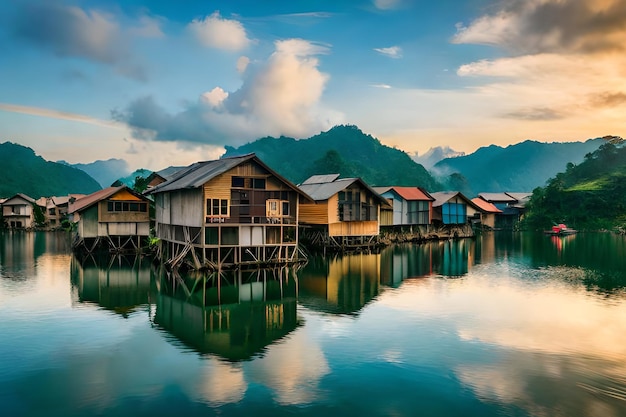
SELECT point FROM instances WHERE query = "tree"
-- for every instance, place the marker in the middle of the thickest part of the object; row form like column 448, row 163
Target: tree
column 39, row 216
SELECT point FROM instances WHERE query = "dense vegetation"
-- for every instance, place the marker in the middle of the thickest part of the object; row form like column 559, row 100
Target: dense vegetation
column 344, row 150
column 588, row 196
column 518, row 168
column 27, row 173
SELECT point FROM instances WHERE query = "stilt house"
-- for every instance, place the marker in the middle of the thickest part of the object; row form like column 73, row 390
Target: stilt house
column 115, row 218
column 227, row 212
column 346, row 211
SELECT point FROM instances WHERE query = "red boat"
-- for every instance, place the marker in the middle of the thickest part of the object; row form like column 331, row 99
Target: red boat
column 560, row 230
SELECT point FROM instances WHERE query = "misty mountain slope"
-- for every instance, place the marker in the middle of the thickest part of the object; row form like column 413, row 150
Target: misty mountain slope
column 105, row 172
column 521, row 167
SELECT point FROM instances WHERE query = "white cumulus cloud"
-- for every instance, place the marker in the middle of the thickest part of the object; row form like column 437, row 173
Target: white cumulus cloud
column 216, row 32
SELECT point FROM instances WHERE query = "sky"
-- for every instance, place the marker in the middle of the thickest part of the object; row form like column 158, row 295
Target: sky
column 160, row 83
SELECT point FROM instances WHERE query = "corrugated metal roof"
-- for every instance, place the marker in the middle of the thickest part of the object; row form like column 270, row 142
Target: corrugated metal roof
column 497, row 197
column 198, row 173
column 91, row 199
column 320, row 192
column 485, row 206
column 168, row 172
column 321, row 179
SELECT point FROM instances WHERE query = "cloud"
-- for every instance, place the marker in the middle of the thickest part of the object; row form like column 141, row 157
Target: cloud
column 386, row 4
column 608, row 99
column 278, row 97
column 148, row 27
column 215, row 32
column 56, row 114
column 242, row 64
column 380, row 85
column 392, row 51
column 70, row 31
column 540, row 26
column 535, row 113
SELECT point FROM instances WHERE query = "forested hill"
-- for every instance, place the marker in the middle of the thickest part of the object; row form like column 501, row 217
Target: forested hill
column 521, row 167
column 25, row 172
column 590, row 195
column 343, row 149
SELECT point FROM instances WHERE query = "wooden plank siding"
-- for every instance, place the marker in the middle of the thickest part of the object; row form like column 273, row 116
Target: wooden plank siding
column 314, row 213
column 353, row 228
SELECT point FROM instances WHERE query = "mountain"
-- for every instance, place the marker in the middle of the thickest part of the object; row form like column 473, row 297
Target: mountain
column 345, row 150
column 105, row 172
column 434, row 155
column 520, row 167
column 129, row 180
column 30, row 174
column 590, row 195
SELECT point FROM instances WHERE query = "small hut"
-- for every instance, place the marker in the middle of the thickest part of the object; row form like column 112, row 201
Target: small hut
column 115, row 218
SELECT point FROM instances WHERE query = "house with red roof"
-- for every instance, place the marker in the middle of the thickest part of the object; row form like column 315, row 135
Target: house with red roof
column 488, row 212
column 410, row 206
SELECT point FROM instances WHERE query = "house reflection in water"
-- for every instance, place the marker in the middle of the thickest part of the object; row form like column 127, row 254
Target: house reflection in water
column 450, row 258
column 340, row 284
column 118, row 283
column 242, row 313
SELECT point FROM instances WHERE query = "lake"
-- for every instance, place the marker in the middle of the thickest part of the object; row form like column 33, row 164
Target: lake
column 507, row 324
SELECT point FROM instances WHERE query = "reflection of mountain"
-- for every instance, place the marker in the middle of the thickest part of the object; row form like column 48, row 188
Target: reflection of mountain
column 116, row 283
column 244, row 314
column 341, row 284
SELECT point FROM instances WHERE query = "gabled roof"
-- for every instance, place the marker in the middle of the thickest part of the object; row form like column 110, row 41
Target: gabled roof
column 22, row 196
column 407, row 193
column 59, row 201
column 320, row 191
column 443, row 197
column 486, row 206
column 199, row 173
column 91, row 199
column 497, row 197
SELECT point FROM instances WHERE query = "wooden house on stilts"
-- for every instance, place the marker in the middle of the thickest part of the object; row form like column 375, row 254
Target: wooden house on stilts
column 116, row 219
column 226, row 213
column 345, row 214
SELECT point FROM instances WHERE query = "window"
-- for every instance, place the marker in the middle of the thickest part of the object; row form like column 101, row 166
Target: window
column 454, row 213
column 276, row 208
column 216, row 207
column 244, row 182
column 349, row 205
column 259, row 183
column 237, row 182
column 230, row 236
column 121, row 206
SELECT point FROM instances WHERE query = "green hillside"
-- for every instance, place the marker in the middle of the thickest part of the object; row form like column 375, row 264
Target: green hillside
column 591, row 195
column 343, row 149
column 521, row 167
column 27, row 173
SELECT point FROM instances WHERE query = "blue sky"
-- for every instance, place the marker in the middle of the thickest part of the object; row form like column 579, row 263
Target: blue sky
column 162, row 83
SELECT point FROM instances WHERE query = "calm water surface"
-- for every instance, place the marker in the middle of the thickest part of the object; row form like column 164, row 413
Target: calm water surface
column 504, row 325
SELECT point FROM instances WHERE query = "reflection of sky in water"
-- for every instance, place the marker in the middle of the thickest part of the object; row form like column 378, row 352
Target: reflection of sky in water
column 504, row 339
